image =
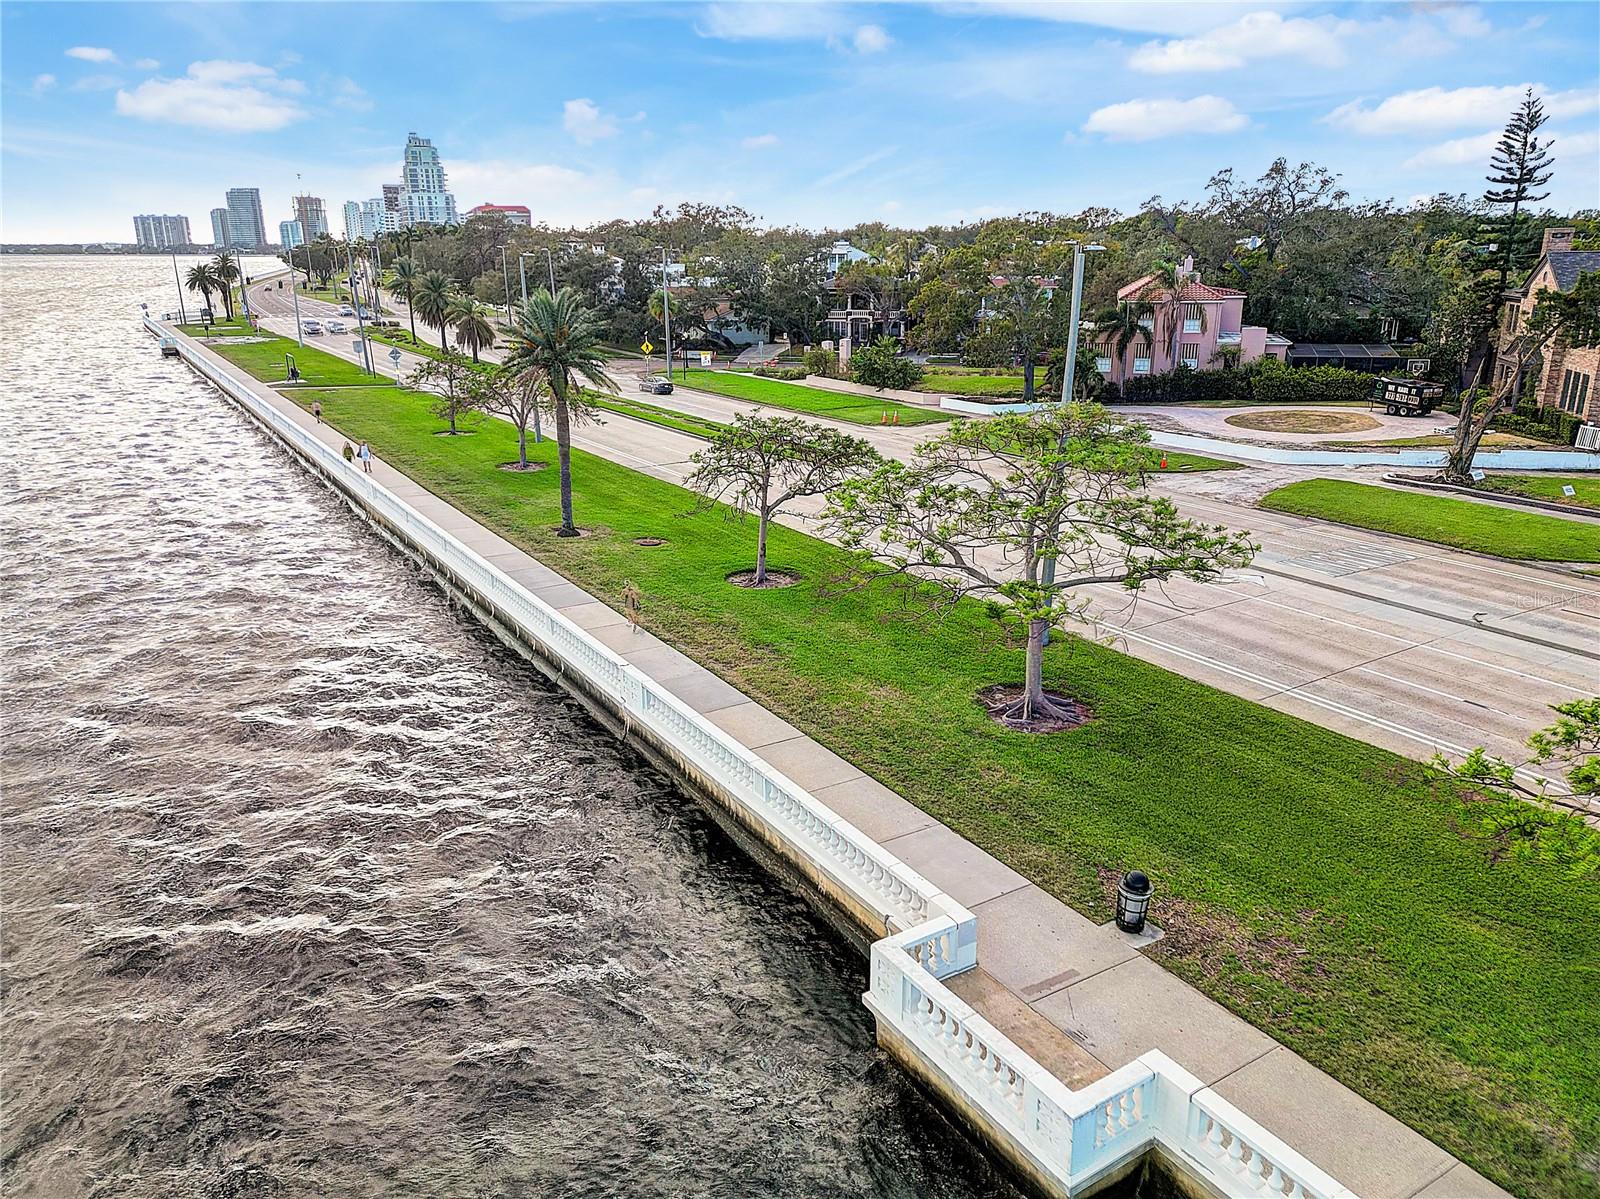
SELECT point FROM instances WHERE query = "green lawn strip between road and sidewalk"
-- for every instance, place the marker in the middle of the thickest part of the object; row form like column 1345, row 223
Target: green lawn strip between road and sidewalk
column 835, row 405
column 683, row 422
column 1461, row 523
column 318, row 368
column 1548, row 487
column 1009, row 386
column 1317, row 885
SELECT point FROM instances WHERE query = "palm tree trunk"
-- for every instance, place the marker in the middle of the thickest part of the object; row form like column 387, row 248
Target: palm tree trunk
column 1027, row 379
column 412, row 313
column 564, row 455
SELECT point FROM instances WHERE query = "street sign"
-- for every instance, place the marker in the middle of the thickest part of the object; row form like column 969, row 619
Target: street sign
column 394, row 357
column 647, row 347
column 355, row 348
column 1567, row 490
column 705, row 357
column 1478, row 476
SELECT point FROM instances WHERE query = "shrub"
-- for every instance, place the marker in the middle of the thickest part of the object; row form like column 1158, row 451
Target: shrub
column 792, row 373
column 821, row 362
column 1529, row 420
column 992, row 346
column 1307, row 384
column 1185, row 386
column 880, row 365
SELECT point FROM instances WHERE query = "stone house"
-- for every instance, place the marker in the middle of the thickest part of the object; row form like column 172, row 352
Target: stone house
column 1568, row 376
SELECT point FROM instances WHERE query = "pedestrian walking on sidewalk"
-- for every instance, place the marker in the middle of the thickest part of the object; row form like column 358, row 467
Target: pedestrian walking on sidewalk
column 365, row 454
column 316, row 410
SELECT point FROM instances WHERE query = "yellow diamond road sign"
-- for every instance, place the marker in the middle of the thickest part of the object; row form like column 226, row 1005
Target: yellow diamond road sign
column 647, row 347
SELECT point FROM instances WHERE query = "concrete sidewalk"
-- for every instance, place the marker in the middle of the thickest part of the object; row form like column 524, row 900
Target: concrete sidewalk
column 1075, row 995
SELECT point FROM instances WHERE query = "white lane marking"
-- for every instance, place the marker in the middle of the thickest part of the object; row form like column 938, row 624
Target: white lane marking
column 1412, row 683
column 1433, row 647
column 1435, row 743
column 1410, row 641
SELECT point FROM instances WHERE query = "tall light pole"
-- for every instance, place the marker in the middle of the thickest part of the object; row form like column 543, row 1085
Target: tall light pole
column 1069, row 374
column 666, row 312
column 183, row 316
column 522, row 271
column 1047, row 572
column 294, row 291
column 505, row 278
column 551, row 263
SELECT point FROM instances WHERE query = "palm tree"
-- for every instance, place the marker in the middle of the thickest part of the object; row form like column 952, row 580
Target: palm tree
column 435, row 296
column 406, row 279
column 560, row 336
column 202, row 277
column 226, row 266
column 474, row 329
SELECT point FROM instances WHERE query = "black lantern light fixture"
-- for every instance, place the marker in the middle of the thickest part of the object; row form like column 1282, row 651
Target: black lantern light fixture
column 1134, row 894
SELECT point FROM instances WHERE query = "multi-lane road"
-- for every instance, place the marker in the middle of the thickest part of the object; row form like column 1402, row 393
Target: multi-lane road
column 1414, row 647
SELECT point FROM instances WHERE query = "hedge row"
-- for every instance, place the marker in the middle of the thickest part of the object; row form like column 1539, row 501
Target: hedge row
column 1251, row 385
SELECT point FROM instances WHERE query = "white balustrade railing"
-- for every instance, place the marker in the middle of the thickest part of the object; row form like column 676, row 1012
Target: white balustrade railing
column 1074, row 1137
column 900, row 897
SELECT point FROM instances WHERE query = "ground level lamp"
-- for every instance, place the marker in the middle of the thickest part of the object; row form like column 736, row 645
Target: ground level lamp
column 1134, row 893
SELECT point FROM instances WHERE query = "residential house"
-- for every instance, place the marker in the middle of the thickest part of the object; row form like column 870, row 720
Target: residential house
column 852, row 314
column 1204, row 332
column 1569, row 376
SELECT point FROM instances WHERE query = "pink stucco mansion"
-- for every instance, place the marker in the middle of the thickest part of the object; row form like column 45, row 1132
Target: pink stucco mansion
column 1206, row 323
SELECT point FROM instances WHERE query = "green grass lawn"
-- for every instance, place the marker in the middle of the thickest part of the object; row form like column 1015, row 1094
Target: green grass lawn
column 1548, row 487
column 986, row 386
column 1182, row 464
column 265, row 360
column 683, row 422
column 1315, row 884
column 836, row 405
column 1460, row 523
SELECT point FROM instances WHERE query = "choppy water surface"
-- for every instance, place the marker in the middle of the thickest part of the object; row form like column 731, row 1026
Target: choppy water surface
column 311, row 888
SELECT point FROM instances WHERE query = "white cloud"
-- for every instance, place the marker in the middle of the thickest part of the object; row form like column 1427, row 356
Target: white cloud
column 1475, row 150
column 147, row 64
column 771, row 22
column 1432, row 108
column 760, row 141
column 583, row 119
column 1146, row 120
column 43, row 83
column 96, row 83
column 241, row 97
column 1191, row 17
column 1257, row 35
column 871, row 39
column 791, row 22
column 349, row 94
column 92, row 54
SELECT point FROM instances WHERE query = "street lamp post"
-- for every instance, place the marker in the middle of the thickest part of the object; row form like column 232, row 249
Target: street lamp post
column 551, row 263
column 361, row 327
column 294, row 291
column 505, row 278
column 1069, row 369
column 522, row 271
column 666, row 312
column 183, row 315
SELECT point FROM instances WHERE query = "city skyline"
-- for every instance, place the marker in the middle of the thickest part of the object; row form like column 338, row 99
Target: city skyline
column 823, row 115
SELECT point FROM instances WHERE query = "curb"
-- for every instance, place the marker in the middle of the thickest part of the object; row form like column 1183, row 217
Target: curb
column 1511, row 501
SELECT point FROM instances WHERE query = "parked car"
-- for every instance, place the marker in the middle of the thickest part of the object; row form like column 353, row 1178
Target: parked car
column 655, row 385
column 338, row 327
column 311, row 328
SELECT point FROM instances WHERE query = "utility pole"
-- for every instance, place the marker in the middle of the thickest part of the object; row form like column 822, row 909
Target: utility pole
column 1047, row 572
column 294, row 290
column 505, row 278
column 666, row 311
column 551, row 263
column 522, row 270
column 183, row 316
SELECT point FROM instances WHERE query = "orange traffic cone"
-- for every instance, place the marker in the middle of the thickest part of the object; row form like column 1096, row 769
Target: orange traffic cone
column 1163, row 462
column 897, row 418
column 883, row 418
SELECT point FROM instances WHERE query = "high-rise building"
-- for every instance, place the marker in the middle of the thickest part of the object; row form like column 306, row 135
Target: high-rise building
column 247, row 228
column 423, row 198
column 219, row 227
column 311, row 214
column 352, row 221
column 391, row 207
column 161, row 232
column 376, row 218
column 291, row 234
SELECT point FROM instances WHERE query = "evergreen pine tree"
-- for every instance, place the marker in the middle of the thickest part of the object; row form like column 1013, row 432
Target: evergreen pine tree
column 1520, row 164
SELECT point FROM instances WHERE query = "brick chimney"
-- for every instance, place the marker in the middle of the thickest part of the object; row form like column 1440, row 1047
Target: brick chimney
column 1556, row 241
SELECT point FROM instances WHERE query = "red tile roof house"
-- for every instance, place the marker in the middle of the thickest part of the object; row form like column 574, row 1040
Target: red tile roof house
column 1208, row 319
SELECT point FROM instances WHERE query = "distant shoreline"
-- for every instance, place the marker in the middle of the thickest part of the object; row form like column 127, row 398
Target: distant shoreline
column 94, row 250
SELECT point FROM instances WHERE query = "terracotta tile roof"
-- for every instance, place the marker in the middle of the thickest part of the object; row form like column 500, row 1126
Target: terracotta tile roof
column 1190, row 290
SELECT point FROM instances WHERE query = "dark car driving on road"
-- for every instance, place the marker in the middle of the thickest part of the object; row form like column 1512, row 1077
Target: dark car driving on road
column 655, row 385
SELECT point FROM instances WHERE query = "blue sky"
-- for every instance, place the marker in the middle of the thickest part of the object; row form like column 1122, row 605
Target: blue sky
column 815, row 114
